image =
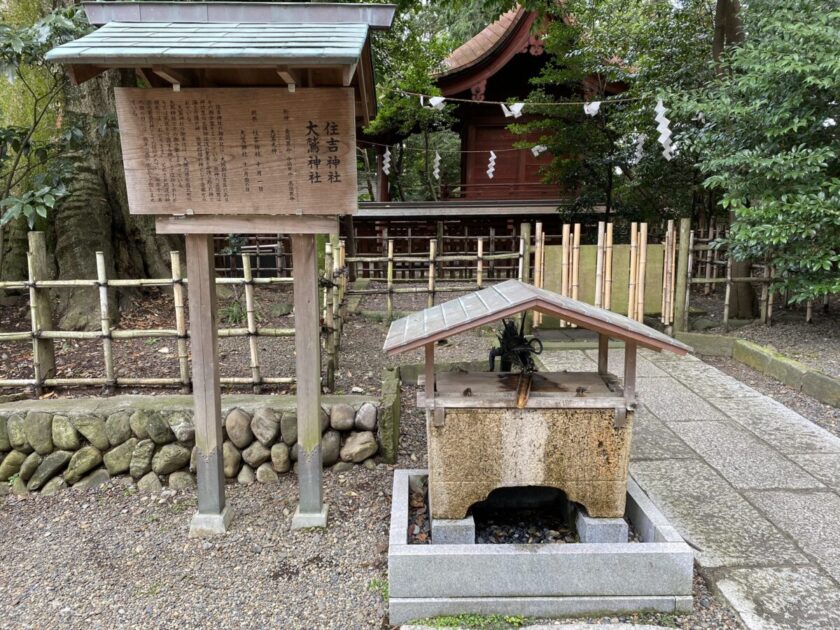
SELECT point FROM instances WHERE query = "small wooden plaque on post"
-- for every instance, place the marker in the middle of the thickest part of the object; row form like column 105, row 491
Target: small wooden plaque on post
column 243, row 151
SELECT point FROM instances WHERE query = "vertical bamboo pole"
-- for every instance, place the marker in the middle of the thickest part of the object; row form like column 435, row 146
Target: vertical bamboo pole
column 492, row 266
column 251, row 321
column 631, row 287
column 709, row 262
column 809, row 312
column 689, row 270
column 640, row 275
column 479, row 266
column 43, row 350
column 389, row 298
column 576, row 262
column 765, row 289
column 663, row 303
column 671, row 283
column 105, row 321
column 599, row 267
column 680, row 296
column 728, row 292
column 771, row 299
column 525, row 259
column 337, row 300
column 342, row 310
column 180, row 320
column 565, row 257
column 535, row 317
column 329, row 320
column 608, row 264
column 432, row 263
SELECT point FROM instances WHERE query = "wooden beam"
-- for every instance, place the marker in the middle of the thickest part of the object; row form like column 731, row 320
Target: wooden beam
column 292, row 78
column 347, row 73
column 171, row 76
column 603, row 354
column 630, row 372
column 311, row 511
column 212, row 516
column 246, row 224
column 150, row 78
column 80, row 73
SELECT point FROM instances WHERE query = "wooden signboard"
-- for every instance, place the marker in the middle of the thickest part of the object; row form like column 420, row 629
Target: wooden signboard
column 255, row 151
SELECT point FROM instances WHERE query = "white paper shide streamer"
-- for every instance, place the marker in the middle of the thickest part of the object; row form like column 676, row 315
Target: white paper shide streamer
column 592, row 108
column 491, row 165
column 514, row 110
column 662, row 126
column 436, row 166
column 437, row 102
column 386, row 161
column 538, row 150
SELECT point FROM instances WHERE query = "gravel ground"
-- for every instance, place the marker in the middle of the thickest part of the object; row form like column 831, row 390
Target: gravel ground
column 110, row 557
column 816, row 344
column 819, row 413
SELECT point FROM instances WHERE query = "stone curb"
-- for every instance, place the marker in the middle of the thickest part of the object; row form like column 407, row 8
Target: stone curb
column 792, row 373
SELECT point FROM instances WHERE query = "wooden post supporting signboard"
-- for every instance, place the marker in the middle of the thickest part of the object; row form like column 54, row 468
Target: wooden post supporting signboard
column 213, row 515
column 311, row 511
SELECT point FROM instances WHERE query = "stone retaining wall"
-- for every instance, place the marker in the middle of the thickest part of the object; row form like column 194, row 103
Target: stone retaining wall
column 49, row 445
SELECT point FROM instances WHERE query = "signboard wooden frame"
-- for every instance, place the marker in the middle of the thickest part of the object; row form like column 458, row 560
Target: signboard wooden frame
column 239, row 151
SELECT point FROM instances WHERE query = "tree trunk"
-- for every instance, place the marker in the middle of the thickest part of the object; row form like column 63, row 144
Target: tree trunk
column 95, row 216
column 743, row 303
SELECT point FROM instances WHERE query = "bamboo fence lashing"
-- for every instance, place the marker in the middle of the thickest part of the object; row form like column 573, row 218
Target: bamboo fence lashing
column 631, row 285
column 180, row 320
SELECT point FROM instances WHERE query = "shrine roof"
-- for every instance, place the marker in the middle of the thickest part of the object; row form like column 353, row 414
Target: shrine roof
column 485, row 43
column 507, row 299
column 219, row 43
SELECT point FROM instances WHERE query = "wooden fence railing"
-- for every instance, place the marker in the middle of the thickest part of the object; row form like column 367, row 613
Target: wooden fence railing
column 42, row 334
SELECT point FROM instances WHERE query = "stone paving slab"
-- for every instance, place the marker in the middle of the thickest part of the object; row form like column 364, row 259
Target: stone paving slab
column 615, row 362
column 741, row 458
column 710, row 384
column 812, row 518
column 653, row 440
column 782, row 598
column 571, row 360
column 823, row 466
column 670, row 400
column 713, row 518
column 777, row 425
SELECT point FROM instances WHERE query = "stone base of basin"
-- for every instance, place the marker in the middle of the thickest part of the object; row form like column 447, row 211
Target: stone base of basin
column 548, row 580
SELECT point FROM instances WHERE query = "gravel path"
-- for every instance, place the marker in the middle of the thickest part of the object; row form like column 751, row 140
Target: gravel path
column 110, row 557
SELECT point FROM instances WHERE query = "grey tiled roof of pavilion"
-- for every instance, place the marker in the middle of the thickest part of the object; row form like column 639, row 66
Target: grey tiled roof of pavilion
column 240, row 43
column 511, row 297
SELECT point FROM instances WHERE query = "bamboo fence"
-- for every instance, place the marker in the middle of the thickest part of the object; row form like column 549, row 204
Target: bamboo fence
column 43, row 338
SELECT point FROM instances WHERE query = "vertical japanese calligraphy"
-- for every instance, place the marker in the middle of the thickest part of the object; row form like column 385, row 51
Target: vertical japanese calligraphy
column 238, row 151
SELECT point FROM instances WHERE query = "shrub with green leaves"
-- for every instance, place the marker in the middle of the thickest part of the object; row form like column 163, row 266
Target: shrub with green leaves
column 770, row 145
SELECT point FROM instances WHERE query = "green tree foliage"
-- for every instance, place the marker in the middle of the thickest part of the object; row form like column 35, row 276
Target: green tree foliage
column 34, row 143
column 636, row 51
column 770, row 145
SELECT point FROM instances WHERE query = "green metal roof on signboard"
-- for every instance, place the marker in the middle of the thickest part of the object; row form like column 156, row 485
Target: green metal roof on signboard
column 188, row 43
